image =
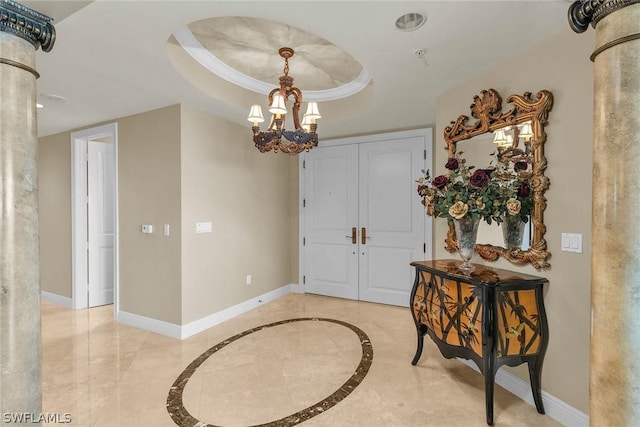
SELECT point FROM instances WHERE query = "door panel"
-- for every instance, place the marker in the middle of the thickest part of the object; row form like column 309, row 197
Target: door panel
column 386, row 190
column 331, row 210
column 394, row 276
column 101, row 222
column 393, row 217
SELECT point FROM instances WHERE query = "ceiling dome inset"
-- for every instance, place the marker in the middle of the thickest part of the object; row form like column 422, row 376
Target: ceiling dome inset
column 244, row 50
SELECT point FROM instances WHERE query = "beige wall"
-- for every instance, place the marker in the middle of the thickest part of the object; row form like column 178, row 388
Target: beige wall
column 179, row 166
column 561, row 65
column 54, row 198
column 246, row 195
column 294, row 212
column 149, row 193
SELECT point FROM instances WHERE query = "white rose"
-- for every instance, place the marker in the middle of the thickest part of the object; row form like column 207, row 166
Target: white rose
column 459, row 210
column 513, row 206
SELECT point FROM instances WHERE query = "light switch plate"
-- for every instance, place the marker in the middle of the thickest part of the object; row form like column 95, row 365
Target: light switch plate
column 203, row 227
column 147, row 229
column 571, row 242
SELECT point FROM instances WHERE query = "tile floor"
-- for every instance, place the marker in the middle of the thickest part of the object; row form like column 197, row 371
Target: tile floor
column 108, row 374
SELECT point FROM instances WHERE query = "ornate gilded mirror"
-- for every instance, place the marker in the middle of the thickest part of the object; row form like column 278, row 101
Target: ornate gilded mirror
column 519, row 134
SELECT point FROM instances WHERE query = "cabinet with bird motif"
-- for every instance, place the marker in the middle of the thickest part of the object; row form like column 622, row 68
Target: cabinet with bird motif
column 491, row 316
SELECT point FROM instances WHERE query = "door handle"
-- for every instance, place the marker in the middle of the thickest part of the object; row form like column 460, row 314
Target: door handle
column 354, row 233
column 363, row 236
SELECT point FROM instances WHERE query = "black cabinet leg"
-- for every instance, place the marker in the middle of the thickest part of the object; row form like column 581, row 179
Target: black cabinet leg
column 489, row 382
column 535, row 376
column 421, row 330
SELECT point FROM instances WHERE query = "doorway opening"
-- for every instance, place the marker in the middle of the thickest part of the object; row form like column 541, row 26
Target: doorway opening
column 94, row 207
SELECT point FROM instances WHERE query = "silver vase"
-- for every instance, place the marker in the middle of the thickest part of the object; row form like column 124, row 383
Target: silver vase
column 466, row 233
column 512, row 231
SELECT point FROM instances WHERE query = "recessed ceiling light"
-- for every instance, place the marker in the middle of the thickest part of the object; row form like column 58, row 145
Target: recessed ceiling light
column 38, row 105
column 410, row 21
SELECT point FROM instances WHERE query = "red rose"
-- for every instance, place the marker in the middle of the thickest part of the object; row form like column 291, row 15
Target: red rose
column 452, row 164
column 479, row 178
column 524, row 190
column 520, row 166
column 440, row 181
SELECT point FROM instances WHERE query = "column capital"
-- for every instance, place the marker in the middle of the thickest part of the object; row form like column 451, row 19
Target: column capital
column 28, row 24
column 585, row 12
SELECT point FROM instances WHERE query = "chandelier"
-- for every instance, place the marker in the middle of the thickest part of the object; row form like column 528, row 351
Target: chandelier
column 276, row 137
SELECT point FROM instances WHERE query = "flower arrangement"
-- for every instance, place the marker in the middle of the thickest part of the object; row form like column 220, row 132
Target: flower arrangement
column 488, row 194
column 462, row 191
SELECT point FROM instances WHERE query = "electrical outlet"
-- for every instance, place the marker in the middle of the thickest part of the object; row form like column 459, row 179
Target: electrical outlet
column 248, row 279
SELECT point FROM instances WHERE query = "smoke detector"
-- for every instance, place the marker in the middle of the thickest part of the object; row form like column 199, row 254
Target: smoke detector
column 52, row 98
column 48, row 99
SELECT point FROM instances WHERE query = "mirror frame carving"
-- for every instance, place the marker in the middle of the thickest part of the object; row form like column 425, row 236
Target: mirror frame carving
column 487, row 110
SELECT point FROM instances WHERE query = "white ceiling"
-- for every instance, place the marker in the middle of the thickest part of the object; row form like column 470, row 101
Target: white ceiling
column 110, row 58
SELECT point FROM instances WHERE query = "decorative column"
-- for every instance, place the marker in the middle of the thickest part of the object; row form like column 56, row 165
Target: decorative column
column 615, row 263
column 22, row 32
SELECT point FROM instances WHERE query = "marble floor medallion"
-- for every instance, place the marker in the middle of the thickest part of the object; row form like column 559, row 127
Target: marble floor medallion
column 183, row 418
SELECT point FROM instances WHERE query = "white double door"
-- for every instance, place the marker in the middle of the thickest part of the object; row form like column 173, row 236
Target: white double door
column 363, row 221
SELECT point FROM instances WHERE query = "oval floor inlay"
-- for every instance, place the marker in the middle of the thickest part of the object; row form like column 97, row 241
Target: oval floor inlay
column 182, row 417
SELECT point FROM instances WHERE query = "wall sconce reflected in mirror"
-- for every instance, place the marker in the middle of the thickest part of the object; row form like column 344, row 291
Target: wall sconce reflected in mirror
column 526, row 132
column 509, row 140
column 501, row 139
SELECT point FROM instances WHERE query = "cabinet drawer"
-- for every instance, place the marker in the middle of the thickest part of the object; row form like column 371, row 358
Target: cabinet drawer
column 455, row 330
column 451, row 310
column 456, row 298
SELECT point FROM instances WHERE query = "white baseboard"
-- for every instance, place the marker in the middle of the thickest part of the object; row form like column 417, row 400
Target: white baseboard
column 205, row 323
column 56, row 299
column 158, row 326
column 185, row 331
column 555, row 408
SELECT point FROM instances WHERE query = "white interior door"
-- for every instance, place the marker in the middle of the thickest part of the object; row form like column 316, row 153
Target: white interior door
column 369, row 187
column 331, row 208
column 101, row 221
column 392, row 217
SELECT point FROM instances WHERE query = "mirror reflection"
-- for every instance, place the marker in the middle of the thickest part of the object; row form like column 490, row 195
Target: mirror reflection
column 509, row 145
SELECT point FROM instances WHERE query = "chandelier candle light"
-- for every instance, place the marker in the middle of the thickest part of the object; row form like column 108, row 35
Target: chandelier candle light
column 276, row 137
